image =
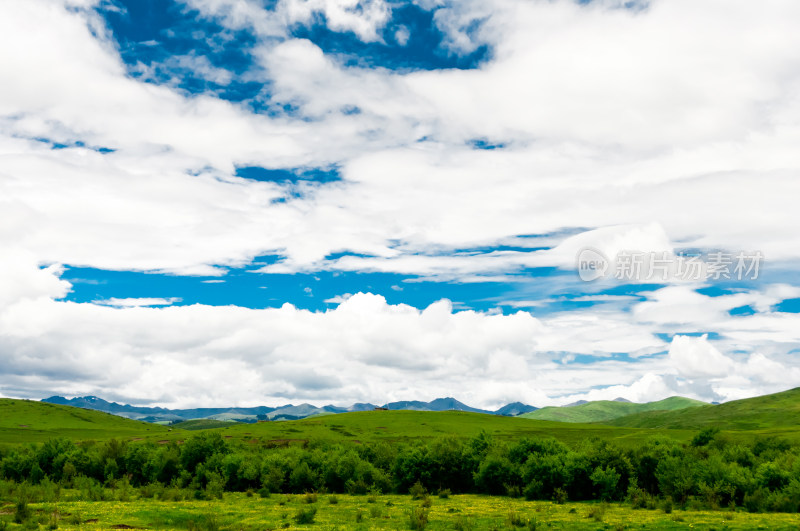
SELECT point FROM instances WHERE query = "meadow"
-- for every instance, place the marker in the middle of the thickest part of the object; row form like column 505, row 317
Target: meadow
column 328, row 512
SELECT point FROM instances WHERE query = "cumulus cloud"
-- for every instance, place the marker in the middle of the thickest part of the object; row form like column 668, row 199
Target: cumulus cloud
column 363, row 17
column 615, row 134
column 592, row 142
column 697, row 358
column 365, row 349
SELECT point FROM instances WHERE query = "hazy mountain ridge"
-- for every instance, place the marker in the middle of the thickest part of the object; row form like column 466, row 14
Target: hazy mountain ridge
column 286, row 412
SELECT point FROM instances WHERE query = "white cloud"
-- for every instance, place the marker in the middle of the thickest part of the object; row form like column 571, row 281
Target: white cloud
column 363, row 17
column 138, row 302
column 695, row 357
column 591, row 144
column 612, row 125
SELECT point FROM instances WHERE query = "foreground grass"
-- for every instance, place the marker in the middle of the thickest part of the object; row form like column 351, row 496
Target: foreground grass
column 463, row 512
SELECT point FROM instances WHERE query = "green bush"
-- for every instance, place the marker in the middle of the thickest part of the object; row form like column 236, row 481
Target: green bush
column 21, row 511
column 666, row 505
column 305, row 515
column 418, row 518
column 417, row 491
column 514, row 519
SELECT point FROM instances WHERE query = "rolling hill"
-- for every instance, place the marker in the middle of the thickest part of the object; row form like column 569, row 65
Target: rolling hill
column 395, row 426
column 29, row 421
column 605, row 410
column 779, row 410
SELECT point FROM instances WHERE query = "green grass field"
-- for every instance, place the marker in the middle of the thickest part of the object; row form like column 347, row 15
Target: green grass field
column 415, row 425
column 237, row 511
column 202, row 424
column 23, row 421
column 603, row 410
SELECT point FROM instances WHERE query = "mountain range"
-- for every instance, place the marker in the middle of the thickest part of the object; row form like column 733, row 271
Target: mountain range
column 286, row 412
column 582, row 411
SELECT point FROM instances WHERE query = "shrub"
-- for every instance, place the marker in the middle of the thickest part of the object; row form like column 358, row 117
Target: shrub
column 513, row 491
column 666, row 505
column 597, row 512
column 704, row 437
column 21, row 511
column 444, row 493
column 310, row 497
column 417, row 491
column 463, row 524
column 514, row 519
column 417, row 518
column 605, row 480
column 305, row 515
column 333, row 500
column 215, row 485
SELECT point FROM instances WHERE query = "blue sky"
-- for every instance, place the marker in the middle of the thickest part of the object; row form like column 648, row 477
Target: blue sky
column 211, row 202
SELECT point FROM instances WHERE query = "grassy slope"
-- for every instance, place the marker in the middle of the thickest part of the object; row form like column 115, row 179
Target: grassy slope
column 401, row 425
column 29, row 421
column 603, row 410
column 775, row 413
column 201, row 424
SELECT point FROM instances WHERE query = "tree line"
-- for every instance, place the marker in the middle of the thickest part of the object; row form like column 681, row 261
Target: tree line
column 711, row 471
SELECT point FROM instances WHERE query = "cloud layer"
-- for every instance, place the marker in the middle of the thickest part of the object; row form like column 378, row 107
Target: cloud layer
column 670, row 125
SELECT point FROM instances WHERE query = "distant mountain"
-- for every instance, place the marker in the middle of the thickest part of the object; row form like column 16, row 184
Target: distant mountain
column 262, row 413
column 606, row 410
column 160, row 414
column 514, row 409
column 779, row 410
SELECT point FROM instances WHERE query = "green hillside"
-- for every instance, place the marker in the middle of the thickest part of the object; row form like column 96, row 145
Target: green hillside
column 405, row 425
column 604, row 410
column 30, row 421
column 776, row 411
column 202, row 424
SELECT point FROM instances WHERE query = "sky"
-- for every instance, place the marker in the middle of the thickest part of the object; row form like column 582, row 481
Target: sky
column 261, row 202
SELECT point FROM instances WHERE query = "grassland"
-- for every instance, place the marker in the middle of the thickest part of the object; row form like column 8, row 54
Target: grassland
column 604, row 410
column 202, row 424
column 398, row 426
column 390, row 512
column 777, row 413
column 24, row 421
